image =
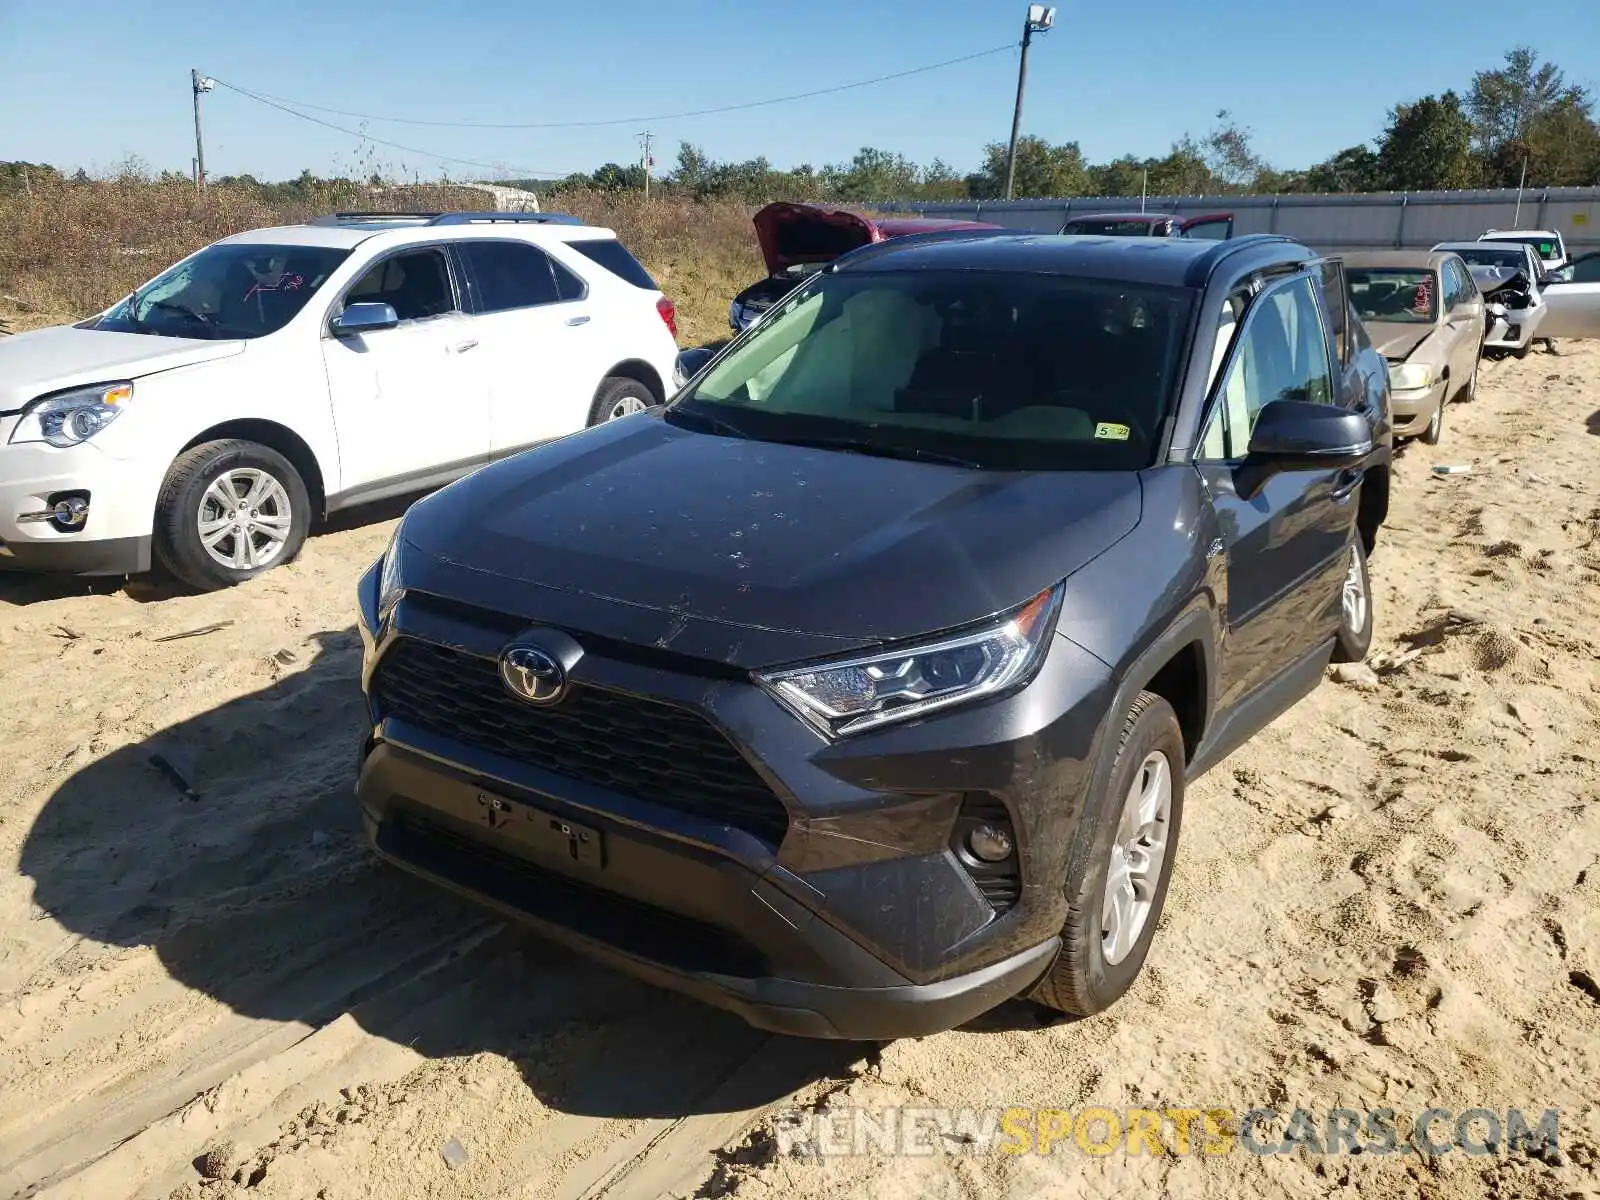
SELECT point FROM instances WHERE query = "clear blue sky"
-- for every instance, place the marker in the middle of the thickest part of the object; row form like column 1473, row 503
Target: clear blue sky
column 88, row 82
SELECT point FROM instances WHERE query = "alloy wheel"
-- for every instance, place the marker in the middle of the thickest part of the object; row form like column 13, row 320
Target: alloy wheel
column 244, row 519
column 1138, row 853
column 1354, row 596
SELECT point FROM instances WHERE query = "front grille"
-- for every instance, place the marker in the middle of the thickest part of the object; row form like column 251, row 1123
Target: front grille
column 644, row 748
column 629, row 925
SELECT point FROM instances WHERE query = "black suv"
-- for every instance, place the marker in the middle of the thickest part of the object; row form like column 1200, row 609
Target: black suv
column 856, row 689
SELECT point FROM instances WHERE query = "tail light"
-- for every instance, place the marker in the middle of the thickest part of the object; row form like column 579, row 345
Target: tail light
column 669, row 314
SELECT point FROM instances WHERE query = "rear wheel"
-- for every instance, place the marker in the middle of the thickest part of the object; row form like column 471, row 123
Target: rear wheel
column 229, row 510
column 1114, row 901
column 620, row 397
column 1354, row 638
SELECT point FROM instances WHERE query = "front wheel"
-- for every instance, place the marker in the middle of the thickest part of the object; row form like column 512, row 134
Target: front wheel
column 1354, row 638
column 1114, row 901
column 1431, row 435
column 229, row 510
column 620, row 397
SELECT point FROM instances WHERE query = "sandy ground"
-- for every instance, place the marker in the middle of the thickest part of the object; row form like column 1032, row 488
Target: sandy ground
column 1389, row 899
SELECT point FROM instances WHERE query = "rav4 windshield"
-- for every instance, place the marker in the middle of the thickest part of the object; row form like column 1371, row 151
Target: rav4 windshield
column 1002, row 370
column 230, row 290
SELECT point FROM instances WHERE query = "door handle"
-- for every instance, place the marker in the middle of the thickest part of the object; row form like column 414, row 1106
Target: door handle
column 1346, row 482
column 577, row 320
column 463, row 347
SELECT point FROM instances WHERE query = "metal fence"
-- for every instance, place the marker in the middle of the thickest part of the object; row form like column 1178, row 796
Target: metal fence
column 1400, row 220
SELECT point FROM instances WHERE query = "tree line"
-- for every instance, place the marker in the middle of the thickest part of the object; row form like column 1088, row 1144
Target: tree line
column 1521, row 116
column 1522, row 121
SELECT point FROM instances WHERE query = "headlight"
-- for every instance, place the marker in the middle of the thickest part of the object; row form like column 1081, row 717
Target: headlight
column 852, row 695
column 389, row 587
column 735, row 313
column 1407, row 377
column 72, row 417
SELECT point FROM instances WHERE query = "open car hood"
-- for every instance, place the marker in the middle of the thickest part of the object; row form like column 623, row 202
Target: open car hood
column 791, row 234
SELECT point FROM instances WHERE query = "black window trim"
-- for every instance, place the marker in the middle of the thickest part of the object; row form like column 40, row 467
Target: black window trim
column 1236, row 344
column 452, row 269
column 470, row 276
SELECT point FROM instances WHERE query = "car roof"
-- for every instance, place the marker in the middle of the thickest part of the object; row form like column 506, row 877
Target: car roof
column 1397, row 258
column 1511, row 233
column 1478, row 245
column 1178, row 262
column 346, row 235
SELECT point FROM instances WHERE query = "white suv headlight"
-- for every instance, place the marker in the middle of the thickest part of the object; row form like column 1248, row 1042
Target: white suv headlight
column 72, row 417
column 1408, row 377
column 851, row 695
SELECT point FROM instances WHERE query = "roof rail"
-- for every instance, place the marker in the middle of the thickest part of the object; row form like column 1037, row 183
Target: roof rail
column 530, row 218
column 452, row 218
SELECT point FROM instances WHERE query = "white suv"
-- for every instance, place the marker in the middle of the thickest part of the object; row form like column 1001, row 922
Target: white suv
column 276, row 376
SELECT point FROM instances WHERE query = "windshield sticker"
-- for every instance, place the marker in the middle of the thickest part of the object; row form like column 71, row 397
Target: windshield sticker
column 1112, row 431
column 1423, row 304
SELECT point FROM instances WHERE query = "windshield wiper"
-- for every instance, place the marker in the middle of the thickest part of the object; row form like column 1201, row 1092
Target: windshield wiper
column 880, row 450
column 713, row 423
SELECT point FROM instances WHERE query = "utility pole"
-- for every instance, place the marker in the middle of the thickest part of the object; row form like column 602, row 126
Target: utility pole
column 1039, row 20
column 1516, row 221
column 646, row 161
column 199, row 83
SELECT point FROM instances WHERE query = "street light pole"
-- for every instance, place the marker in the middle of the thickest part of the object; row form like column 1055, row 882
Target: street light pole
column 1039, row 20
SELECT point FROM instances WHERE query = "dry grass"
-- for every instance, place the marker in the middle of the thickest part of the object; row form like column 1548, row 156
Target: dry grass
column 70, row 249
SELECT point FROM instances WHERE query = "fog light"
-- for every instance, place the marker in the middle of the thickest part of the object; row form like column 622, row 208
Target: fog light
column 71, row 512
column 989, row 843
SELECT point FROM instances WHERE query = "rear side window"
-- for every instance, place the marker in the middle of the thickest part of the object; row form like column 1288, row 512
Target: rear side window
column 614, row 257
column 568, row 285
column 507, row 275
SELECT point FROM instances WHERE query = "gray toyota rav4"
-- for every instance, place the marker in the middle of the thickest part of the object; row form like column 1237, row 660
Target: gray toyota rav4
column 856, row 689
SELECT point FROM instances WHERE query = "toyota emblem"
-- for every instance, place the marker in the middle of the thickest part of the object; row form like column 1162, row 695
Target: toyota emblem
column 532, row 674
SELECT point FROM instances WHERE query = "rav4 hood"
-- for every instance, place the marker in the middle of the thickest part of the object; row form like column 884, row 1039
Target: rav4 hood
column 791, row 234
column 768, row 538
column 48, row 360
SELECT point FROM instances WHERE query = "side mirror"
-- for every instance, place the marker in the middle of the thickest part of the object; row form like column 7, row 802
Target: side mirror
column 363, row 318
column 1297, row 435
column 691, row 362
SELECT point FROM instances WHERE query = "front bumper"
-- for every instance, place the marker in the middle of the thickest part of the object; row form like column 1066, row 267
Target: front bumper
column 114, row 539
column 856, row 920
column 1413, row 409
column 1514, row 331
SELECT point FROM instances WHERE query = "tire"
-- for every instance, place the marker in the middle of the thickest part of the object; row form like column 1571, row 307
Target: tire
column 1352, row 643
column 284, row 513
column 1090, row 972
column 1430, row 436
column 620, row 396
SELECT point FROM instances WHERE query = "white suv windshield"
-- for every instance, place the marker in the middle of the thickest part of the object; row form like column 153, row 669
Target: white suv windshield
column 1546, row 248
column 233, row 290
column 1009, row 371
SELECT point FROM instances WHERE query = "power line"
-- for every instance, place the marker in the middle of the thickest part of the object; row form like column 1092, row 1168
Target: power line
column 502, row 168
column 278, row 101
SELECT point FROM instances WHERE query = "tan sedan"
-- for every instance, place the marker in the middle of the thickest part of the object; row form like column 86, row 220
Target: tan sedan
column 1426, row 316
